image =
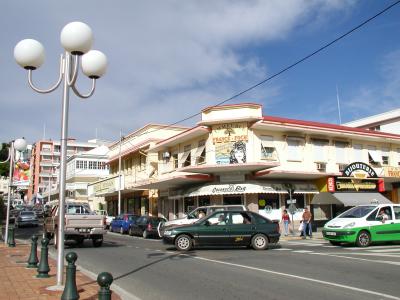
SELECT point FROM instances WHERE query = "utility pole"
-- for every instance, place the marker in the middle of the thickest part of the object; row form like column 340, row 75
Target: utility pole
column 119, row 172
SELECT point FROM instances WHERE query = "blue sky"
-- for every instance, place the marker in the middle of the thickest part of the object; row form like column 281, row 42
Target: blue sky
column 170, row 59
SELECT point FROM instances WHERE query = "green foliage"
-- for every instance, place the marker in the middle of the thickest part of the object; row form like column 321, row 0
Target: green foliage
column 5, row 167
column 101, row 206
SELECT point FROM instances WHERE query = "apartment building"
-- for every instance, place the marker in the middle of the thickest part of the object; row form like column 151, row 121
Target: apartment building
column 45, row 159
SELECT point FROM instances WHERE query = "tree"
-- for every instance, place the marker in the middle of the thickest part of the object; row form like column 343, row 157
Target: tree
column 5, row 167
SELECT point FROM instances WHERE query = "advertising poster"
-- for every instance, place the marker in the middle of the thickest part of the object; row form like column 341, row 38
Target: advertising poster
column 230, row 153
column 21, row 173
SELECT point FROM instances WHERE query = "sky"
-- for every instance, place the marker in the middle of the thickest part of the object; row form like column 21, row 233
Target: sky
column 168, row 60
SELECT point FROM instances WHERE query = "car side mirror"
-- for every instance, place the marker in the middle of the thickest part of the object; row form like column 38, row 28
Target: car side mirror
column 207, row 223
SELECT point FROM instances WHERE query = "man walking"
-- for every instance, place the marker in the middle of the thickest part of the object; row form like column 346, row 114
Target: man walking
column 306, row 218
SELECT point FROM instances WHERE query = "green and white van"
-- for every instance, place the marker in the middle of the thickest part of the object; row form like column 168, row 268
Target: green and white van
column 362, row 225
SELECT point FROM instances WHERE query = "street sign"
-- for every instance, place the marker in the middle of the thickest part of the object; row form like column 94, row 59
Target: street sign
column 292, row 209
column 291, row 201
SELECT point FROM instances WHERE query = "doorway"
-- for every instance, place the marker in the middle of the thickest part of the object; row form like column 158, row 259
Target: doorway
column 233, row 200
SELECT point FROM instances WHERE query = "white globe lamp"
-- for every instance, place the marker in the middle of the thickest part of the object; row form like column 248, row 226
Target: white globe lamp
column 29, row 54
column 76, row 38
column 94, row 64
column 20, row 145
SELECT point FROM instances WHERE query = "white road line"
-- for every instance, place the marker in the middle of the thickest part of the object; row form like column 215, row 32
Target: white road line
column 302, row 251
column 357, row 258
column 372, row 248
column 281, row 249
column 311, row 244
column 330, row 246
column 359, row 290
column 384, row 250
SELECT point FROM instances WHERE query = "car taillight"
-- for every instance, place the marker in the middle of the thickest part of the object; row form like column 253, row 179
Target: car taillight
column 149, row 226
column 104, row 220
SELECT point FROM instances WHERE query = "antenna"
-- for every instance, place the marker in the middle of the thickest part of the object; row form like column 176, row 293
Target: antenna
column 338, row 104
column 96, row 133
column 44, row 131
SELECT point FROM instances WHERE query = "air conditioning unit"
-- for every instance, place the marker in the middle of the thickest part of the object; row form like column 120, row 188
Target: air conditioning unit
column 321, row 166
column 166, row 155
column 342, row 167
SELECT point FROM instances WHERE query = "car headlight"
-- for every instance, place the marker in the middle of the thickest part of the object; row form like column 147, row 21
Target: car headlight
column 349, row 225
column 167, row 232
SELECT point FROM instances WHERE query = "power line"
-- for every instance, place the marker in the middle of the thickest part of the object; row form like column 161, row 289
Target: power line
column 284, row 69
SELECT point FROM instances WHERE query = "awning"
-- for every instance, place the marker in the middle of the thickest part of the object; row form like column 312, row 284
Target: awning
column 248, row 188
column 349, row 199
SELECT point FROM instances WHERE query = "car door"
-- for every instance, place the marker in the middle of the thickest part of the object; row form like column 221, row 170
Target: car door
column 382, row 230
column 240, row 228
column 213, row 231
column 396, row 221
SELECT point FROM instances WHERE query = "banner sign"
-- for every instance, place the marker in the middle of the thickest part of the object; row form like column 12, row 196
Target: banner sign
column 21, row 173
column 366, row 170
column 229, row 132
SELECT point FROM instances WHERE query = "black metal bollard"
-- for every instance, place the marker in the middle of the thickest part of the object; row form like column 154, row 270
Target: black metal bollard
column 43, row 268
column 70, row 289
column 104, row 280
column 11, row 240
column 33, row 258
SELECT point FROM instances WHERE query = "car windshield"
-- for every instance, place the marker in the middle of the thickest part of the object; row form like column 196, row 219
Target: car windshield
column 357, row 212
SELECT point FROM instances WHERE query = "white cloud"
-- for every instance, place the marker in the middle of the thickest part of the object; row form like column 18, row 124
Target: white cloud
column 167, row 59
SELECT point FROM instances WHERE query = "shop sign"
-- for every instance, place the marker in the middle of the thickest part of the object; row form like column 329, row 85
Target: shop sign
column 229, row 132
column 359, row 166
column 107, row 186
column 356, row 185
column 331, row 184
column 391, row 171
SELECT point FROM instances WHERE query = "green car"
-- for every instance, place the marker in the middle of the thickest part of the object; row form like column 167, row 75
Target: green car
column 365, row 224
column 225, row 228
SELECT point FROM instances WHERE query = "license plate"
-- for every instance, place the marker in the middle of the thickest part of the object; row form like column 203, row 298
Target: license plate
column 84, row 230
column 330, row 233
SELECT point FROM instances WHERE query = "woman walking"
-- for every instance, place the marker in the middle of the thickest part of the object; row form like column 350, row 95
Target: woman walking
column 286, row 221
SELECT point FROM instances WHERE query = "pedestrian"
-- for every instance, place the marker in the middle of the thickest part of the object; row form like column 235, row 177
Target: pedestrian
column 306, row 219
column 286, row 221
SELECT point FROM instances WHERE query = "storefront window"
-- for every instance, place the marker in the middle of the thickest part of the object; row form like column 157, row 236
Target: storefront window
column 270, row 201
column 322, row 212
column 233, row 200
column 188, row 204
column 299, row 200
column 131, row 205
column 204, row 201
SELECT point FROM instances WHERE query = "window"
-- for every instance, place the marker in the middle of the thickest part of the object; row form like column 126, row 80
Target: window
column 175, row 160
column 294, row 148
column 396, row 212
column 385, row 156
column 268, row 150
column 340, row 148
column 319, row 150
column 186, row 157
column 142, row 161
column 84, row 164
column 91, row 165
column 201, row 152
column 358, row 153
column 373, row 155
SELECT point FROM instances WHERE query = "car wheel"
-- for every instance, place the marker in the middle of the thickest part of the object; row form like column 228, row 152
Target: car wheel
column 145, row 234
column 79, row 242
column 121, row 230
column 183, row 243
column 130, row 231
column 259, row 242
column 97, row 243
column 335, row 243
column 363, row 239
column 111, row 229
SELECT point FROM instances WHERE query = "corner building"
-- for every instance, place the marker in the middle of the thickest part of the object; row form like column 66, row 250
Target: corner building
column 235, row 155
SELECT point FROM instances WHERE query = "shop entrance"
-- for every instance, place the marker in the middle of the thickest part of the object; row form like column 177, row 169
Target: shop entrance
column 233, row 200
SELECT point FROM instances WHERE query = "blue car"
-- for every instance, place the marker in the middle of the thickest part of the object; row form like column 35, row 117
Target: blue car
column 123, row 222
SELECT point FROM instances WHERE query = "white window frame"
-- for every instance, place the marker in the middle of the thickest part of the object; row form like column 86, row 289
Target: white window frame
column 358, row 152
column 298, row 154
column 340, row 152
column 268, row 149
column 200, row 154
column 374, row 154
column 319, row 150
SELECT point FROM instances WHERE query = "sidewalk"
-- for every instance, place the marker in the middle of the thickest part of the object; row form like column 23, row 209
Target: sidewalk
column 19, row 282
column 315, row 236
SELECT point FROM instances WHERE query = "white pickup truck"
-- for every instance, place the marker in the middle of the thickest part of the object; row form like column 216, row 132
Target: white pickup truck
column 80, row 224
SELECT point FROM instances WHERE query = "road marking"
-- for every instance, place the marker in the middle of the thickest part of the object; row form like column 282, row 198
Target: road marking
column 311, row 244
column 282, row 249
column 360, row 290
column 330, row 246
column 357, row 258
column 384, row 250
column 302, row 251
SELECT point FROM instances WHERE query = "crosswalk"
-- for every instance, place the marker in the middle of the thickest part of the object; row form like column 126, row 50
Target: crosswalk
column 324, row 248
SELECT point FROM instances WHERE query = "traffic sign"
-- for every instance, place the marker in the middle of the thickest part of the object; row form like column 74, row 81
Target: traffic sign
column 292, row 209
column 291, row 201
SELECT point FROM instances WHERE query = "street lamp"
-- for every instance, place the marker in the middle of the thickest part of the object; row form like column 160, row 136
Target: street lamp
column 19, row 145
column 77, row 39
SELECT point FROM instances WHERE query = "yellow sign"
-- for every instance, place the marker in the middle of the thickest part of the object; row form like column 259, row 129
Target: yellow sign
column 106, row 186
column 391, row 171
column 229, row 132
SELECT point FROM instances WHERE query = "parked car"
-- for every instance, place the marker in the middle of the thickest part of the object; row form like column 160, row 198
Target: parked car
column 225, row 228
column 122, row 223
column 80, row 223
column 196, row 214
column 26, row 218
column 105, row 214
column 146, row 226
column 364, row 224
column 39, row 212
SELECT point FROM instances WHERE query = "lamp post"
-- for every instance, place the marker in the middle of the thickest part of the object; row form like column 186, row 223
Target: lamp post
column 19, row 145
column 76, row 38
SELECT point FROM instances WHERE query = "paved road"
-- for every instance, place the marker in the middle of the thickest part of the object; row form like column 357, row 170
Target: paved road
column 311, row 269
